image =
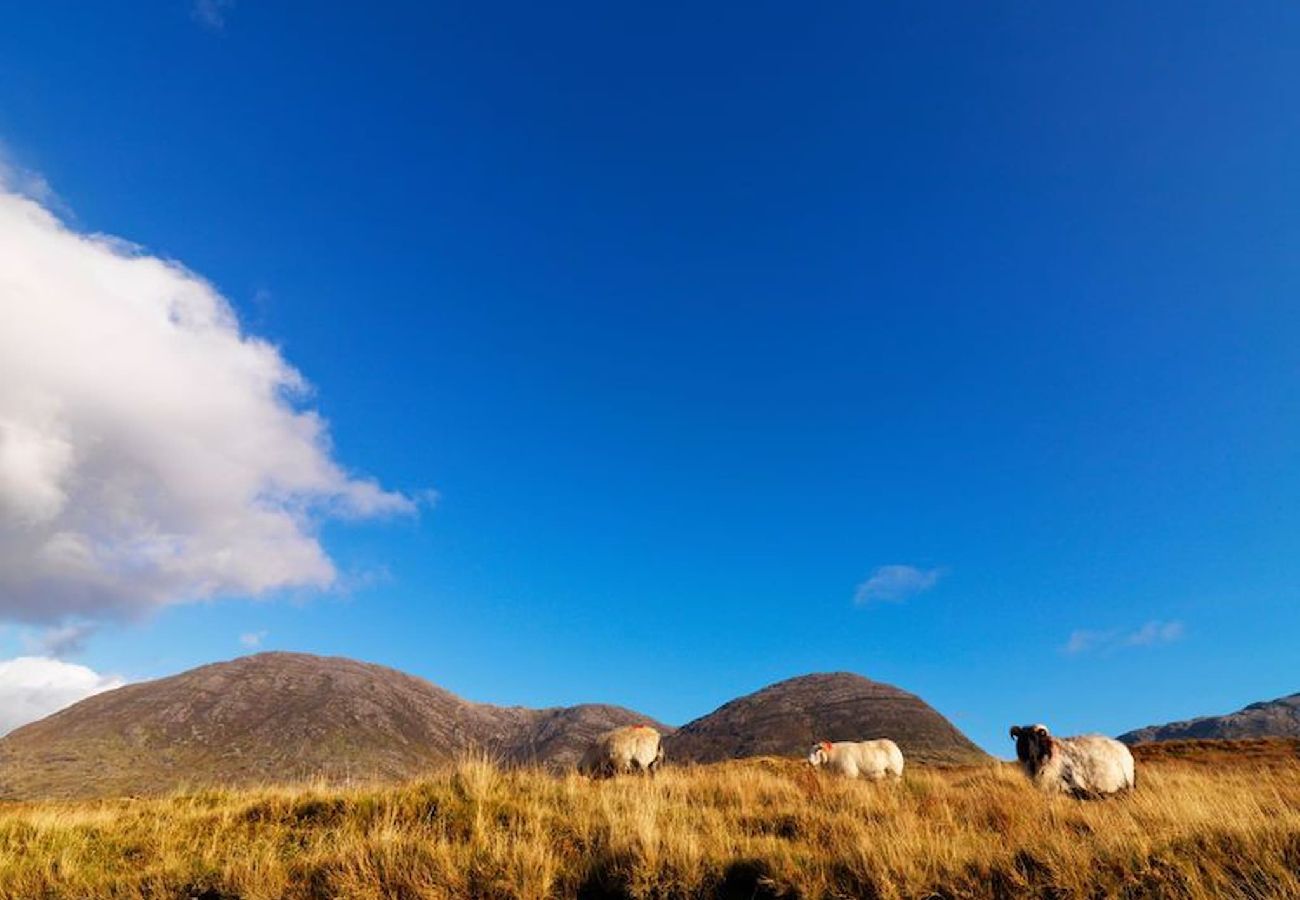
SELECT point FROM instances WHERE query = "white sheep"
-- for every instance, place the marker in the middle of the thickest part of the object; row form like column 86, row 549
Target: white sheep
column 859, row 759
column 633, row 748
column 1086, row 766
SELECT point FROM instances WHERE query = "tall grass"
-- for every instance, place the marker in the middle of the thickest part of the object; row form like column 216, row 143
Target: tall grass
column 757, row 829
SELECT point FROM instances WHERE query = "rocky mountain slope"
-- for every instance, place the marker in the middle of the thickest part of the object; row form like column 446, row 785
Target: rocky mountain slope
column 275, row 717
column 786, row 718
column 1272, row 718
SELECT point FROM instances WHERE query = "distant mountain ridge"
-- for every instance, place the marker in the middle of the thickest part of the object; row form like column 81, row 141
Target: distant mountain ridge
column 1269, row 718
column 786, row 718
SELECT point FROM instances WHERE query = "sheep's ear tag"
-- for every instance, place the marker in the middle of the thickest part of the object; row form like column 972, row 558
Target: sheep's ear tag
column 826, row 745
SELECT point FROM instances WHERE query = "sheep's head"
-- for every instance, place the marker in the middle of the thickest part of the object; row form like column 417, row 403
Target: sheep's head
column 821, row 754
column 1033, row 745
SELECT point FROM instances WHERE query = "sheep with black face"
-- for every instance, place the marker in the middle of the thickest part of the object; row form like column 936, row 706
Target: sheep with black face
column 1086, row 766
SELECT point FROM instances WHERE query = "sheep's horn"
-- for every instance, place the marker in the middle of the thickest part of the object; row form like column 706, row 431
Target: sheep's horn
column 1015, row 731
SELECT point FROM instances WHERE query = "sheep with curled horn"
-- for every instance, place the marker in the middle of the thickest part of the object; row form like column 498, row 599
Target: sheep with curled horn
column 1086, row 766
column 873, row 760
column 633, row 748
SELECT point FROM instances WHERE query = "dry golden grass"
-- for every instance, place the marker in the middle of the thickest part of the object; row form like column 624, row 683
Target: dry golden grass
column 755, row 829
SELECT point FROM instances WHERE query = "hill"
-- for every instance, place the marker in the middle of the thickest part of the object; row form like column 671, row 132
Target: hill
column 1273, row 718
column 786, row 718
column 280, row 717
column 1252, row 753
column 283, row 717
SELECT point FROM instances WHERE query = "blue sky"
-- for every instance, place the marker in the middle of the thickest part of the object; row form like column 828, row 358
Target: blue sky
column 697, row 317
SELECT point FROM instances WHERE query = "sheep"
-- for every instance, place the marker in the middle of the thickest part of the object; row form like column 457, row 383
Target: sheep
column 853, row 759
column 1086, row 766
column 633, row 748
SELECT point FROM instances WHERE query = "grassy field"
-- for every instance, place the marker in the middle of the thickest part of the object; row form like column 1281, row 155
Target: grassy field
column 1197, row 827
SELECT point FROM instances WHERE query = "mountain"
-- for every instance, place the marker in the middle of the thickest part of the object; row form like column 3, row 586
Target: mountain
column 275, row 717
column 787, row 718
column 1272, row 718
column 288, row 716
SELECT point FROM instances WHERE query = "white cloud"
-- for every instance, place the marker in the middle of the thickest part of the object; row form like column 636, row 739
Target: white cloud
column 150, row 452
column 1152, row 633
column 252, row 638
column 32, row 687
column 893, row 584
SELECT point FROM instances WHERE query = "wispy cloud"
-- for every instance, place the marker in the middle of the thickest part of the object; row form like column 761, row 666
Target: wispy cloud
column 1107, row 641
column 211, row 13
column 894, row 584
column 20, row 180
column 1156, row 633
column 61, row 640
column 252, row 639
